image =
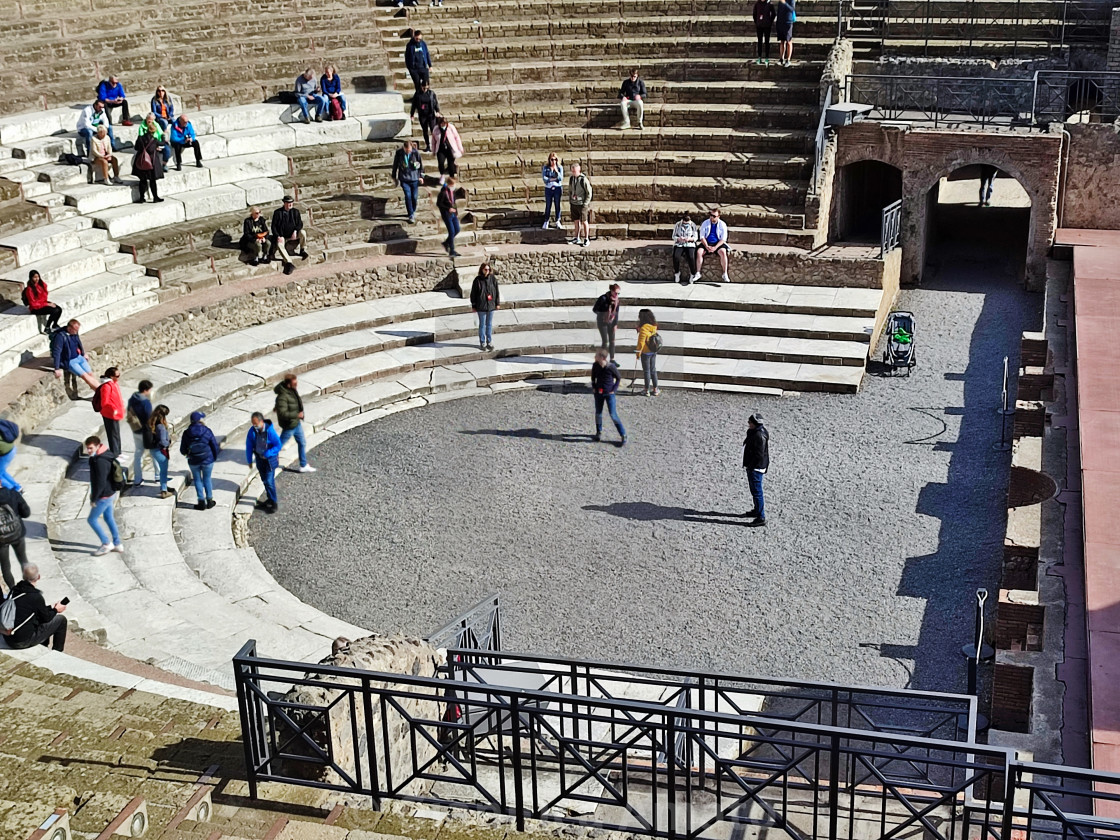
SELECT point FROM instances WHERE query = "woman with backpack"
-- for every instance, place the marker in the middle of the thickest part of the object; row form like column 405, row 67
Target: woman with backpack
column 106, row 480
column 604, row 385
column 649, row 342
column 201, row 448
column 157, row 440
column 38, row 303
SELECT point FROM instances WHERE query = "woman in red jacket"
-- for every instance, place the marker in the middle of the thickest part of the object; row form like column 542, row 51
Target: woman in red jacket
column 35, row 296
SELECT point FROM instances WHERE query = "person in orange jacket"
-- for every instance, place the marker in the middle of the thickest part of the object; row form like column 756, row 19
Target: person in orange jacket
column 108, row 402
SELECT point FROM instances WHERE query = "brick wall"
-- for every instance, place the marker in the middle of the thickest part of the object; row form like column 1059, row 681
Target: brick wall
column 1012, row 689
column 1093, row 171
column 1019, row 626
column 1114, row 42
column 1020, row 568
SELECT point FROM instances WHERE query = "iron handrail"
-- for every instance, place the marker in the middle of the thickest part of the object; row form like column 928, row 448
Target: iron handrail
column 819, row 144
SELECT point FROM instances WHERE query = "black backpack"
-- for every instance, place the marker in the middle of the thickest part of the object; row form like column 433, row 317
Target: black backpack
column 10, row 525
column 654, row 343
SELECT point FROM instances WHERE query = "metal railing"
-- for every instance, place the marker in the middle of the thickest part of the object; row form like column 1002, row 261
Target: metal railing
column 819, row 143
column 1035, row 102
column 972, row 27
column 477, row 629
column 890, row 233
column 656, row 769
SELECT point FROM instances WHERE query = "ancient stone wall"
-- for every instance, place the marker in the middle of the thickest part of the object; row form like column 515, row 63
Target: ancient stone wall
column 925, row 156
column 1092, row 181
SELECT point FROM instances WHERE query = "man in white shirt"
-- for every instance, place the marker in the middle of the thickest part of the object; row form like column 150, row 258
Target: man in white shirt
column 713, row 240
column 90, row 118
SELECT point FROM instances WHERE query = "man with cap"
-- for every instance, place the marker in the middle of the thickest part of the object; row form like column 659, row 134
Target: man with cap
column 287, row 228
column 756, row 460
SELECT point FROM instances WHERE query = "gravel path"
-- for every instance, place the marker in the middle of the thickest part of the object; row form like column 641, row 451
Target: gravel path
column 886, row 513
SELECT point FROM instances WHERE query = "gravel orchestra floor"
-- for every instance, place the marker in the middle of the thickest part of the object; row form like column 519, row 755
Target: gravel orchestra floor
column 887, row 511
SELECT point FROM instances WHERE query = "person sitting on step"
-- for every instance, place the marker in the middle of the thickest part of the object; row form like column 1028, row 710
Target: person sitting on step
column 163, row 107
column 287, row 229
column 632, row 93
column 183, row 137
column 68, row 354
column 111, row 92
column 254, row 237
column 90, row 119
column 37, row 300
column 684, row 245
column 35, row 622
column 713, row 240
column 101, row 156
column 307, row 90
column 330, row 85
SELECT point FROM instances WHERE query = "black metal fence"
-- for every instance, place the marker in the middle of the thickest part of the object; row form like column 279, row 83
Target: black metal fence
column 662, row 769
column 891, row 231
column 477, row 629
column 819, row 142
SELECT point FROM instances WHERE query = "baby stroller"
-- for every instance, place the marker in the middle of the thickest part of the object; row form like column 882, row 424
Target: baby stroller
column 900, row 342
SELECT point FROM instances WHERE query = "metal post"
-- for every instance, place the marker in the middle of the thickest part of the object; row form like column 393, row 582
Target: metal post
column 518, row 792
column 1004, row 444
column 671, row 778
column 976, row 651
column 833, row 786
column 1003, row 402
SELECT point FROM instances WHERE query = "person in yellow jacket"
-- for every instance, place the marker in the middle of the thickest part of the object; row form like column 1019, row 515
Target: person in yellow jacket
column 649, row 342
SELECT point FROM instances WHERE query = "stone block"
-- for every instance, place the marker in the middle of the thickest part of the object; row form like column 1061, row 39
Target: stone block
column 42, row 242
column 213, row 201
column 261, row 191
column 374, row 104
column 189, row 179
column 229, row 170
column 225, row 120
column 318, row 134
column 263, row 139
column 384, row 127
column 23, row 127
column 42, row 149
column 212, row 145
column 122, row 221
column 65, row 268
column 91, row 198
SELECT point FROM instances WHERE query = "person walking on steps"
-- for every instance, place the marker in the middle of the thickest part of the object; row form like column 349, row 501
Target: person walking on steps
column 262, row 447
column 579, row 204
column 201, row 448
column 685, row 236
column 987, row 180
column 158, row 441
column 109, row 403
column 106, row 479
column 417, row 59
column 445, row 203
column 763, row 24
column 606, row 318
column 649, row 342
column 408, row 170
column 785, row 14
column 604, row 386
column 35, row 622
column 137, row 415
column 485, row 299
column 289, row 413
column 425, row 106
column 553, row 175
column 13, row 510
column 448, row 146
column 756, row 461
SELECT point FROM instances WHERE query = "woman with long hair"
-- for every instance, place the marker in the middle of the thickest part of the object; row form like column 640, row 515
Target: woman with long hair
column 157, row 439
column 38, row 302
column 648, row 345
column 604, row 383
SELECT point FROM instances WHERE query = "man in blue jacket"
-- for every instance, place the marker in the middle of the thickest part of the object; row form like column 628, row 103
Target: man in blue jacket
column 111, row 92
column 201, row 448
column 183, row 136
column 417, row 59
column 262, row 447
column 68, row 355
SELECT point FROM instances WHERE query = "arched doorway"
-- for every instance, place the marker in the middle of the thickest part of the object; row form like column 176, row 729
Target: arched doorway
column 977, row 212
column 864, row 188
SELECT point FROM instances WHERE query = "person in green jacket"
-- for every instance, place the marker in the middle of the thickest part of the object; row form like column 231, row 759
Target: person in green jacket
column 289, row 413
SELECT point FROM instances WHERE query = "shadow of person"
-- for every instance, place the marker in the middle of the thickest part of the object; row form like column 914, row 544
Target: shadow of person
column 648, row 511
column 534, row 434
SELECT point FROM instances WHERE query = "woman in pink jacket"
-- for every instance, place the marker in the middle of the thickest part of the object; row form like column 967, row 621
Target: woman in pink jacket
column 448, row 146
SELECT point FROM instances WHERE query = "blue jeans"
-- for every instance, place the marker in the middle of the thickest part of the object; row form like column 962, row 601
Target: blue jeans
column 485, row 326
column 161, row 461
column 551, row 197
column 5, row 479
column 200, row 475
column 754, row 480
column 451, row 220
column 85, row 137
column 103, row 509
column 268, row 478
column 320, row 104
column 411, row 191
column 301, row 441
column 79, row 365
column 609, row 401
column 649, row 369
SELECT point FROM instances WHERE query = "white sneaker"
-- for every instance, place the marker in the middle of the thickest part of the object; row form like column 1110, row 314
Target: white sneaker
column 101, row 552
column 307, row 468
column 119, row 549
column 694, row 278
column 677, row 277
column 559, row 225
column 545, row 225
column 726, row 279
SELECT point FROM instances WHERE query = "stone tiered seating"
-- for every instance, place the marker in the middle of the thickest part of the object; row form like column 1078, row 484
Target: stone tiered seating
column 184, row 594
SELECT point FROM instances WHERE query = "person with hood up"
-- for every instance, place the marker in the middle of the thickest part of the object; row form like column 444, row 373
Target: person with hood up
column 201, row 448
column 289, row 413
column 262, row 447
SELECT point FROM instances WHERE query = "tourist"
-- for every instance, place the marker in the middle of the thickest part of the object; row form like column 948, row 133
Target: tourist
column 445, row 203
column 138, row 414
column 713, row 240
column 649, row 342
column 417, row 60
column 308, row 90
column 108, row 402
column 632, row 93
column 102, row 495
column 9, row 434
column 763, row 23
column 448, row 146
column 147, row 163
column 150, row 125
column 201, row 448
column 606, row 317
column 254, row 237
column 987, row 181
column 37, row 300
column 684, row 245
column 330, row 86
column 553, row 175
column 183, row 137
column 13, row 510
column 485, row 298
column 756, row 461
column 90, row 119
column 579, row 204
column 102, row 158
column 262, row 447
column 159, row 445
column 111, row 92
column 162, row 107
column 785, row 14
column 604, row 385
column 408, row 169
column 36, row 623
column 68, row 354
column 289, row 412
column 425, row 106
column 287, row 228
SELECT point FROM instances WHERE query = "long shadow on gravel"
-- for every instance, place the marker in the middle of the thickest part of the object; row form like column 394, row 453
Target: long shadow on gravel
column 647, row 512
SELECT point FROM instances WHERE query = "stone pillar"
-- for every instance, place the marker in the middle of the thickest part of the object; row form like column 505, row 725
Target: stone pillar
column 1114, row 41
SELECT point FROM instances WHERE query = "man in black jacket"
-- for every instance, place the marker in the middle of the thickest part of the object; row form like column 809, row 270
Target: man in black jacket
column 287, row 228
column 756, row 461
column 254, row 236
column 13, row 510
column 425, row 106
column 36, row 623
column 632, row 92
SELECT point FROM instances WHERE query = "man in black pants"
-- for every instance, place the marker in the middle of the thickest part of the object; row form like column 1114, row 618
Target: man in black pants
column 13, row 510
column 763, row 23
column 756, row 461
column 287, row 230
column 425, row 106
column 36, row 623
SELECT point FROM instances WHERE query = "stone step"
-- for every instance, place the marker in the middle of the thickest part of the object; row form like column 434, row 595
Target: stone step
column 497, row 213
column 121, row 221
column 616, row 188
column 660, row 164
column 56, row 271
column 45, row 241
